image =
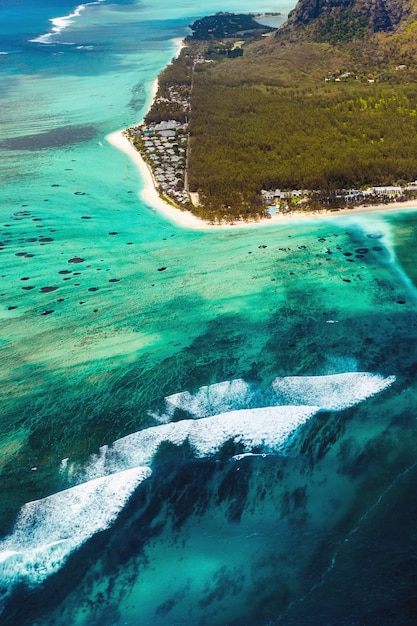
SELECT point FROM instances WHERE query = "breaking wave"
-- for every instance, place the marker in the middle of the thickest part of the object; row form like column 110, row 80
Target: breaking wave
column 333, row 392
column 267, row 428
column 62, row 22
column 48, row 530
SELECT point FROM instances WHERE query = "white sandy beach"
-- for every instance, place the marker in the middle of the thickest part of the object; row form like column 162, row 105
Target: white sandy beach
column 149, row 193
column 186, row 219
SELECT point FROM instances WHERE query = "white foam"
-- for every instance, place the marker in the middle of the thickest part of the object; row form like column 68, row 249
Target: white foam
column 48, row 530
column 267, row 427
column 332, row 392
column 62, row 22
column 208, row 400
column 244, row 455
column 295, row 399
column 6, row 554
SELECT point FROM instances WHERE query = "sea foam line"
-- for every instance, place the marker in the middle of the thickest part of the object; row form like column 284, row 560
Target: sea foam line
column 334, row 392
column 267, row 428
column 47, row 531
column 62, row 22
column 330, row 392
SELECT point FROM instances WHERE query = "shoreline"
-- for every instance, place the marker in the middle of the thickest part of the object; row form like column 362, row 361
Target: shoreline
column 149, row 192
column 186, row 219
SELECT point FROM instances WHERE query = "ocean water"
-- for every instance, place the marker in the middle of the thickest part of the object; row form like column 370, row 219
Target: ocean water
column 230, row 440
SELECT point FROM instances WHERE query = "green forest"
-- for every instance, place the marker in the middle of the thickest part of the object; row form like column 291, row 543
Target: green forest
column 290, row 112
column 342, row 135
column 295, row 124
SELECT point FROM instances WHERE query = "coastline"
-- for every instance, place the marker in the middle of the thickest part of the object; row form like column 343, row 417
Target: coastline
column 149, row 192
column 186, row 219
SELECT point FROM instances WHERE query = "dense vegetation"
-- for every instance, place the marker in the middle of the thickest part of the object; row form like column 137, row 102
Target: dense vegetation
column 295, row 118
column 223, row 25
column 341, row 28
column 323, row 109
column 247, row 138
column 176, row 76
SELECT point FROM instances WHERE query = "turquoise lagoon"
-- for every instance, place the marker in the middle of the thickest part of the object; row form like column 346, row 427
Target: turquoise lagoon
column 198, row 427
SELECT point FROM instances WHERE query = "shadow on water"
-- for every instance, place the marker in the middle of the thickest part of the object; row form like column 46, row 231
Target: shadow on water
column 314, row 528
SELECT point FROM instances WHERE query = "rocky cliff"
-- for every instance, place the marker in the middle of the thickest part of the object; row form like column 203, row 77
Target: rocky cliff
column 379, row 15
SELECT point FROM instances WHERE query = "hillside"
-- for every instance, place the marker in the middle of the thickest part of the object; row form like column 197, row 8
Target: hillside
column 373, row 16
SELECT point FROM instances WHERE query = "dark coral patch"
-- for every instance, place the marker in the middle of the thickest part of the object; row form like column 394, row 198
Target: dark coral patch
column 47, row 289
column 93, row 289
column 76, row 259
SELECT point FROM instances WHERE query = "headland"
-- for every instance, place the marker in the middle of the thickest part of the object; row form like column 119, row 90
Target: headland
column 206, row 192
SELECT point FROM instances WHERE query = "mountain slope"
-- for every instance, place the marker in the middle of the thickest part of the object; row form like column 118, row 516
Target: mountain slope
column 379, row 15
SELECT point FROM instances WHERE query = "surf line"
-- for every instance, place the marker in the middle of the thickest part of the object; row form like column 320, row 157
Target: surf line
column 62, row 22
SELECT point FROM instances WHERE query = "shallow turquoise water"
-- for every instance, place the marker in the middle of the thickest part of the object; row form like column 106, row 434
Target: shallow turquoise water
column 95, row 337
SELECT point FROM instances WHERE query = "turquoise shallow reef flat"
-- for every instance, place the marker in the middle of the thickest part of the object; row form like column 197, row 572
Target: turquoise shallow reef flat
column 197, row 427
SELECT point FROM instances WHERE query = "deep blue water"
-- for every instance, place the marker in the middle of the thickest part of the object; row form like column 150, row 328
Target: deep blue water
column 229, row 441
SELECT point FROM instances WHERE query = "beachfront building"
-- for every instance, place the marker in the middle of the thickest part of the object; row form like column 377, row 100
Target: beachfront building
column 163, row 146
column 389, row 192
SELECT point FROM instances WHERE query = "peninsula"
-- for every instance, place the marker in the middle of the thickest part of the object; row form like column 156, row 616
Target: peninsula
column 250, row 122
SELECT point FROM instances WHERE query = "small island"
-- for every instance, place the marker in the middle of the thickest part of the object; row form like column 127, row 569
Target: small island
column 249, row 121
